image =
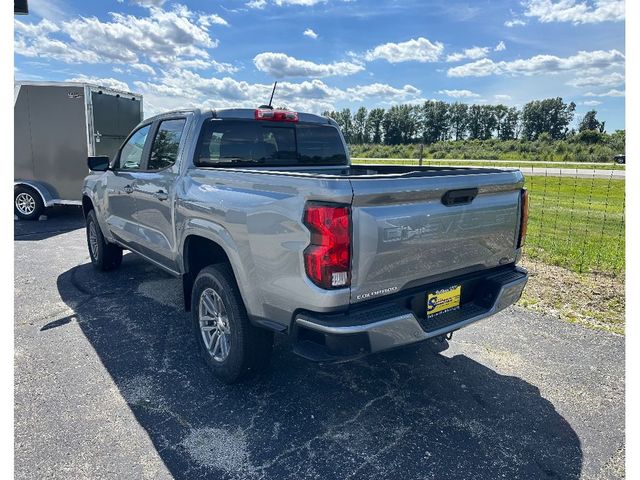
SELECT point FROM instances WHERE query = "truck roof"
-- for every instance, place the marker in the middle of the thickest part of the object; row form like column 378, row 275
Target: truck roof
column 239, row 114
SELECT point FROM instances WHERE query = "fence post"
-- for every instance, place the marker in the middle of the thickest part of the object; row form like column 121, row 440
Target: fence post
column 421, row 149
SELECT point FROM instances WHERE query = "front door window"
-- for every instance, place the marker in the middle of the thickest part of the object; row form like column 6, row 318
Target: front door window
column 131, row 153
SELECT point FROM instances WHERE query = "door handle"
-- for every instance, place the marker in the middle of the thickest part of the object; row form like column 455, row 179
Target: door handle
column 160, row 195
column 459, row 197
column 128, row 189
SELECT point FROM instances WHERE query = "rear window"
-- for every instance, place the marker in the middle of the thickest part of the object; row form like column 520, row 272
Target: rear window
column 224, row 143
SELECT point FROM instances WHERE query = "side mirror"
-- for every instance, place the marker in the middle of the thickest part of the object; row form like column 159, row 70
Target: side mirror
column 98, row 163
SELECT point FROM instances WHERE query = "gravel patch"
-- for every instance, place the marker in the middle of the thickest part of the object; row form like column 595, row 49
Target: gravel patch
column 591, row 300
column 216, row 448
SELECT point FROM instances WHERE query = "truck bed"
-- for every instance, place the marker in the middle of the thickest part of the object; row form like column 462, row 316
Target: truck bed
column 406, row 230
column 376, row 171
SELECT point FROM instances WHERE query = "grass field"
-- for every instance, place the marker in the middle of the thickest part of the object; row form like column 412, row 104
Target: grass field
column 489, row 163
column 577, row 223
column 598, row 149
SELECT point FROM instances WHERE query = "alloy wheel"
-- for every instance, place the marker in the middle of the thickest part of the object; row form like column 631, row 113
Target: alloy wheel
column 214, row 324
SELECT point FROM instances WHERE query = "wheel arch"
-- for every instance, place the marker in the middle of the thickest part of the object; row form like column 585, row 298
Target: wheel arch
column 43, row 192
column 87, row 205
column 199, row 251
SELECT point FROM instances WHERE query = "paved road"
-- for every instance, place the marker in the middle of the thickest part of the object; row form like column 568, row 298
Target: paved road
column 438, row 160
column 574, row 172
column 108, row 385
column 559, row 172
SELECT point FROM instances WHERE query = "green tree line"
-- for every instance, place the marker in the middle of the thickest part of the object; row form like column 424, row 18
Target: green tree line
column 437, row 121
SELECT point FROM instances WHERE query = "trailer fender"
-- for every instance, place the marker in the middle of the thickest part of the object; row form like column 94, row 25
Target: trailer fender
column 43, row 191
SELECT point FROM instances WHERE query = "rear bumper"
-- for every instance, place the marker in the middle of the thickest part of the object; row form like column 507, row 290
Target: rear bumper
column 340, row 337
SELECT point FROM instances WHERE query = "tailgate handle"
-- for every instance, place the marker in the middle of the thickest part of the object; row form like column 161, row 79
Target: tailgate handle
column 459, row 197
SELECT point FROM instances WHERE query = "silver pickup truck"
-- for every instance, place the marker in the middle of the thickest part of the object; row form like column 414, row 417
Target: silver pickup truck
column 272, row 230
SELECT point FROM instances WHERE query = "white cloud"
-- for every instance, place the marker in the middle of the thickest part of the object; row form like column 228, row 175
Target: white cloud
column 609, row 80
column 143, row 67
column 306, row 3
column 280, row 65
column 610, row 93
column 149, row 3
column 381, row 90
column 480, row 68
column 417, row 49
column 310, row 33
column 187, row 89
column 502, row 97
column 53, row 10
column 212, row 19
column 598, row 59
column 475, row 53
column 514, row 22
column 592, row 103
column 472, row 53
column 576, row 12
column 52, row 49
column 44, row 27
column 259, row 4
column 103, row 82
column 458, row 93
column 162, row 37
column 200, row 64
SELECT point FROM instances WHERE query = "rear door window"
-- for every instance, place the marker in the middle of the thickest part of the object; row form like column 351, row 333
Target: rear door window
column 245, row 143
column 164, row 150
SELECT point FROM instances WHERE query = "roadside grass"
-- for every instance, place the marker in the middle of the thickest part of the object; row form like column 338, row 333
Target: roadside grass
column 575, row 250
column 577, row 223
column 593, row 301
column 489, row 163
column 544, row 149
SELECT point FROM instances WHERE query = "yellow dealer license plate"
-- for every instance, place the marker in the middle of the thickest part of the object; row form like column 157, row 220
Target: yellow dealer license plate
column 443, row 300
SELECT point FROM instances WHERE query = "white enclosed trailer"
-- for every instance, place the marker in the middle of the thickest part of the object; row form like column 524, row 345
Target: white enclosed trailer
column 57, row 126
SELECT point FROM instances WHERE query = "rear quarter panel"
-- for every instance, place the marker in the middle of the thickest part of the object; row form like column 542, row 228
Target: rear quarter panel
column 256, row 217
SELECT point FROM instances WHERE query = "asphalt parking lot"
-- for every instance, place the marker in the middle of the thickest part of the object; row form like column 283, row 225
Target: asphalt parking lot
column 108, row 385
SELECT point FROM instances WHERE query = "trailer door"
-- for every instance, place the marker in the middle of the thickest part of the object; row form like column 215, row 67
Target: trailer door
column 51, row 140
column 114, row 117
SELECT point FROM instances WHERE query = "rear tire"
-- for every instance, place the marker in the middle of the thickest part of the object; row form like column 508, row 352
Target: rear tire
column 27, row 203
column 104, row 256
column 230, row 345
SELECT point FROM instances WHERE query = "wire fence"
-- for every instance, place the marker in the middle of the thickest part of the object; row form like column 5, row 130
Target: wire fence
column 576, row 213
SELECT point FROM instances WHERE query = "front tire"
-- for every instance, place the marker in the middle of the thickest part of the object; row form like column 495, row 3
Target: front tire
column 230, row 345
column 27, row 203
column 104, row 256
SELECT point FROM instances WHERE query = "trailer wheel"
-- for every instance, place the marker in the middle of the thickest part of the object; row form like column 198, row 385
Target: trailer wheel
column 104, row 255
column 27, row 203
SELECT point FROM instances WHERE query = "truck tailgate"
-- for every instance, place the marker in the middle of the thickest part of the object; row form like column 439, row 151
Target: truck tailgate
column 409, row 231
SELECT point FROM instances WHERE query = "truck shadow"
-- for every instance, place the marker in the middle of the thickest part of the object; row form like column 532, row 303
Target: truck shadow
column 60, row 219
column 408, row 413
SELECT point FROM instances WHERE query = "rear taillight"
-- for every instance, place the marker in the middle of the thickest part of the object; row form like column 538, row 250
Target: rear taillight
column 276, row 115
column 524, row 216
column 327, row 259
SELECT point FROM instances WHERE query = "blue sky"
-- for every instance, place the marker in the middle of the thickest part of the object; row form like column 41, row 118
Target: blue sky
column 331, row 54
